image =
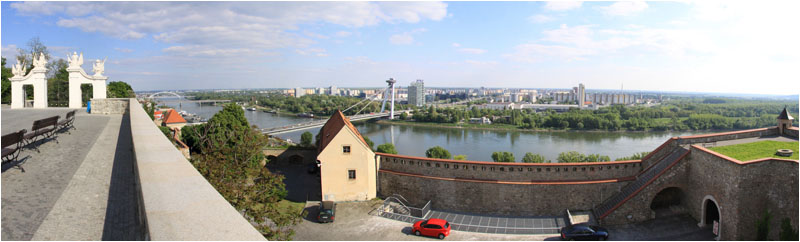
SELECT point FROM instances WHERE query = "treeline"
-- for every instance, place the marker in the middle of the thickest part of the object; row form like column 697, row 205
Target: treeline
column 504, row 156
column 689, row 114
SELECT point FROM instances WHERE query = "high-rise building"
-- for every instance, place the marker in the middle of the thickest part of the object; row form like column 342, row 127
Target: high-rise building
column 416, row 93
column 299, row 92
column 581, row 95
column 334, row 91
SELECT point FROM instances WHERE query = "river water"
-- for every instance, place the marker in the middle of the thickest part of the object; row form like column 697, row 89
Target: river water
column 477, row 145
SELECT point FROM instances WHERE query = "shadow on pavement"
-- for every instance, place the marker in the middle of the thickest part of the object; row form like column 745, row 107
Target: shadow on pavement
column 122, row 210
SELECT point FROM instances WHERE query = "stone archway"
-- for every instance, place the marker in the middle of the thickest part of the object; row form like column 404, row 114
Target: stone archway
column 35, row 78
column 669, row 201
column 711, row 212
column 77, row 77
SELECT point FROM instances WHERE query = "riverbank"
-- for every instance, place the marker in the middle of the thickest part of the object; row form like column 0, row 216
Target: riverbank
column 509, row 127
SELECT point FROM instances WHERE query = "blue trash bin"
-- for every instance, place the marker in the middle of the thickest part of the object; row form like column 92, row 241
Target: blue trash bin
column 89, row 106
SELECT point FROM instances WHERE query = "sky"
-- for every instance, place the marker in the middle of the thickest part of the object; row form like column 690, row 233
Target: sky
column 709, row 46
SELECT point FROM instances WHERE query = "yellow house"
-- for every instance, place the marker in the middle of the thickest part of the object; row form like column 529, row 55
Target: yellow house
column 347, row 164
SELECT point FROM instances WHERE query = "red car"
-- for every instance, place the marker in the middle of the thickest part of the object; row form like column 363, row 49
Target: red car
column 432, row 227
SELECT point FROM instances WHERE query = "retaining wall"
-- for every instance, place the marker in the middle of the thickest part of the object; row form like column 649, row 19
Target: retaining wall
column 496, row 198
column 176, row 201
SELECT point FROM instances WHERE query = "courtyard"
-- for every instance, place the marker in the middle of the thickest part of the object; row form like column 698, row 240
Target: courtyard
column 80, row 186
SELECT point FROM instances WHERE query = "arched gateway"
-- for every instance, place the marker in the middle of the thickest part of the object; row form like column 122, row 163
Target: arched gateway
column 38, row 80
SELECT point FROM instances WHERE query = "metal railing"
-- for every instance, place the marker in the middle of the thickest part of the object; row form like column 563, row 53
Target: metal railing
column 397, row 204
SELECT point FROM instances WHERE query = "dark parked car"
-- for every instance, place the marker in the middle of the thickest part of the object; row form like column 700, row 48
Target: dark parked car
column 327, row 210
column 432, row 227
column 584, row 232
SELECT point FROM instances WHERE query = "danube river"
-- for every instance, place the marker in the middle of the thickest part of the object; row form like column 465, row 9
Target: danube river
column 475, row 144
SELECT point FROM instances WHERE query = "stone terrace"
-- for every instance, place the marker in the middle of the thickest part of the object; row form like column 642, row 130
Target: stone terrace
column 79, row 188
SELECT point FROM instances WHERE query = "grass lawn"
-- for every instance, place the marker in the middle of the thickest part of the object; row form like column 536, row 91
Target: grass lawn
column 757, row 150
column 286, row 205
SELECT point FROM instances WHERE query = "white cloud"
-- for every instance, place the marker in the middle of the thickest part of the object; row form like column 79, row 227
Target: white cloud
column 405, row 38
column 562, row 5
column 312, row 51
column 624, row 8
column 208, row 51
column 343, row 34
column 10, row 52
column 539, row 18
column 456, row 45
column 472, row 50
column 402, row 39
column 582, row 42
column 234, row 25
column 123, row 50
column 315, row 35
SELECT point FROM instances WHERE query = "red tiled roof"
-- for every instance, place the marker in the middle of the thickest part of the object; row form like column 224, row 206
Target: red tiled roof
column 173, row 117
column 332, row 127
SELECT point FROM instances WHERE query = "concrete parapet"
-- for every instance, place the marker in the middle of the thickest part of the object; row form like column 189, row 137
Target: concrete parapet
column 110, row 105
column 177, row 203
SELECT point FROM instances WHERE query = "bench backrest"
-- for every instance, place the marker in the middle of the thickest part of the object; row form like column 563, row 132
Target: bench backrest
column 70, row 115
column 13, row 138
column 43, row 123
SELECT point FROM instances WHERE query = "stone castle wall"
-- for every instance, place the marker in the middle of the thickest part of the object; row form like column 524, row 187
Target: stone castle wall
column 482, row 197
column 498, row 171
column 515, row 189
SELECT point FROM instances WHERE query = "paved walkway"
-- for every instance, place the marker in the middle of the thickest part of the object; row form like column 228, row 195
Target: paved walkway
column 64, row 192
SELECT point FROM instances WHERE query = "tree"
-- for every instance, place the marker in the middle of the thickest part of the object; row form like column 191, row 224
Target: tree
column 167, row 132
column 369, row 142
column 58, row 85
column 35, row 47
column 437, row 152
column 503, row 156
column 230, row 158
column 305, row 139
column 6, row 92
column 120, row 89
column 570, row 157
column 403, row 116
column 460, row 157
column 387, row 148
column 533, row 158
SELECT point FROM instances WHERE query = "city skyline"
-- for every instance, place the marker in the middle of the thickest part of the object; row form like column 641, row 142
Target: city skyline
column 715, row 47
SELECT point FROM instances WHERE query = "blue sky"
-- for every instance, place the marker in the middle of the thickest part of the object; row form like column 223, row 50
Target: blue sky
column 709, row 46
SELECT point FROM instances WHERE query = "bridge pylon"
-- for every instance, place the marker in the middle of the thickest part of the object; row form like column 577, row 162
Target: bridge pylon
column 391, row 83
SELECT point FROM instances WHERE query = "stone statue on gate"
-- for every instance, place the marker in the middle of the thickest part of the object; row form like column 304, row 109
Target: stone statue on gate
column 40, row 62
column 99, row 67
column 19, row 68
column 75, row 60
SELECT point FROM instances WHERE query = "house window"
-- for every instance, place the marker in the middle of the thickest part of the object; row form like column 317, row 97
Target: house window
column 346, row 149
column 351, row 174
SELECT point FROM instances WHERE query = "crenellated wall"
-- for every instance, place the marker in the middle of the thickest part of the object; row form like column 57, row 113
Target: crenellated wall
column 515, row 189
column 499, row 171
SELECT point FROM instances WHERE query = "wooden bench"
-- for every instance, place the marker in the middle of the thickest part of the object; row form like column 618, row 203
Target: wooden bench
column 68, row 122
column 12, row 146
column 41, row 129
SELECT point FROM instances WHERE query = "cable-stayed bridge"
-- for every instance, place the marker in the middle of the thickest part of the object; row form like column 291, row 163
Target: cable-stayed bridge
column 365, row 102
